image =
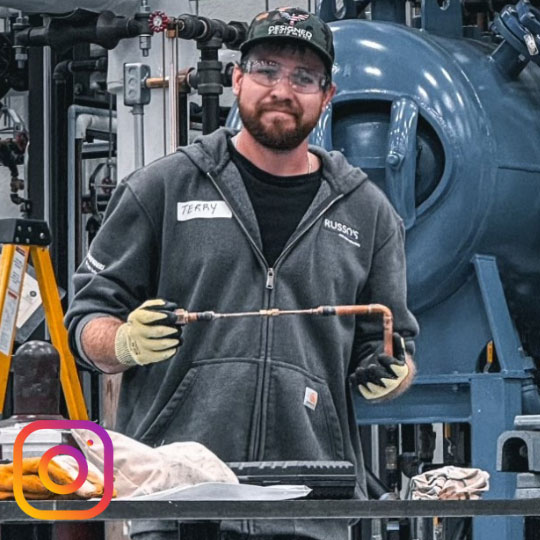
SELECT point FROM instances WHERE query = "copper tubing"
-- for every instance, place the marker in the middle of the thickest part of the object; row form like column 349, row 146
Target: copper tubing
column 173, row 96
column 156, row 82
column 163, row 82
column 185, row 317
column 388, row 320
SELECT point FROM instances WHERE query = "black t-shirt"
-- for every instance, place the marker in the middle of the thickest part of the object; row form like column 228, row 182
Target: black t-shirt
column 279, row 201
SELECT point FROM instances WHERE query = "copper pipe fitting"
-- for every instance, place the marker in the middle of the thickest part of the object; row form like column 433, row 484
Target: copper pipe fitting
column 163, row 82
column 184, row 317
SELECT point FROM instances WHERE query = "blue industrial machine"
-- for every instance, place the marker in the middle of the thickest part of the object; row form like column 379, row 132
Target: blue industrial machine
column 449, row 128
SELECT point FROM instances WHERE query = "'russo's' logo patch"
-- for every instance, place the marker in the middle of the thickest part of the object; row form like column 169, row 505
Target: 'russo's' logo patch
column 343, row 231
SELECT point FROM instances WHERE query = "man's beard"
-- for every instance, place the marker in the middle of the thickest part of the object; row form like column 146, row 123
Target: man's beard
column 276, row 135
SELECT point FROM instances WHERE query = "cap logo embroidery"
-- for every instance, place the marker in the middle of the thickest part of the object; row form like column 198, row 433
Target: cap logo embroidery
column 293, row 19
column 282, row 29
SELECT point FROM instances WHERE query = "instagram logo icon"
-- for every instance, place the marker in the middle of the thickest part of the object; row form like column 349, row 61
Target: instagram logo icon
column 53, row 486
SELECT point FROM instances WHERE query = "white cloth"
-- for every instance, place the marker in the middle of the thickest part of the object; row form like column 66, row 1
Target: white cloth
column 142, row 470
column 449, row 483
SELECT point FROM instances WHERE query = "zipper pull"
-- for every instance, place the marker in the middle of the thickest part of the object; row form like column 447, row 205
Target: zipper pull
column 270, row 278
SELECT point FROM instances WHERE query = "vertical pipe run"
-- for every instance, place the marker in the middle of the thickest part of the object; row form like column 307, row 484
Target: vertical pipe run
column 376, row 524
column 74, row 216
column 183, row 118
column 173, row 93
column 47, row 70
column 138, row 112
column 210, row 85
column 164, row 94
column 46, row 130
column 78, row 191
column 210, row 114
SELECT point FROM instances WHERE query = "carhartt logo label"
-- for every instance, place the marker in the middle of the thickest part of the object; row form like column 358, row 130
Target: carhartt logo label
column 310, row 398
column 343, row 231
column 203, row 210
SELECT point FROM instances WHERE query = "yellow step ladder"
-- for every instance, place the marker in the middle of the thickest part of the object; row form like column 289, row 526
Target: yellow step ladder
column 23, row 239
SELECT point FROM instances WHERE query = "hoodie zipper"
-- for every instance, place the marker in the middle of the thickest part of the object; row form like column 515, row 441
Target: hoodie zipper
column 270, row 276
column 270, row 283
column 269, row 286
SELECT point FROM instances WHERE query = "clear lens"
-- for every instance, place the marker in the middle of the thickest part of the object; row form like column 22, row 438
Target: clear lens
column 270, row 73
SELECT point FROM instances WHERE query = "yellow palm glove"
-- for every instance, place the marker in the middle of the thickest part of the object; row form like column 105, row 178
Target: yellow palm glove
column 149, row 335
column 380, row 377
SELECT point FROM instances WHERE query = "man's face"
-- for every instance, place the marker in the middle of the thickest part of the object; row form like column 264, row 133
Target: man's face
column 280, row 117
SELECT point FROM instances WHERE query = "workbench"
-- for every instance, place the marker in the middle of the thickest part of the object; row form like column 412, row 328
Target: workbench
column 212, row 512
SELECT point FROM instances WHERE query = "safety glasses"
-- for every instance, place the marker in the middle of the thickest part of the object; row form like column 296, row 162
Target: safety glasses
column 268, row 73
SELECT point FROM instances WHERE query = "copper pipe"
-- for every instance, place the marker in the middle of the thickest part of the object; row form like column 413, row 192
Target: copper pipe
column 185, row 317
column 173, row 95
column 388, row 320
column 156, row 82
column 163, row 82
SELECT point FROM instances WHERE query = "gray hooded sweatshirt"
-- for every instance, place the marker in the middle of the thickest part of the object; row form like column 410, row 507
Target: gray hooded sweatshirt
column 183, row 229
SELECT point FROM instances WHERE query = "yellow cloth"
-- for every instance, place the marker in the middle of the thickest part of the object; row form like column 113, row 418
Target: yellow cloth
column 60, row 472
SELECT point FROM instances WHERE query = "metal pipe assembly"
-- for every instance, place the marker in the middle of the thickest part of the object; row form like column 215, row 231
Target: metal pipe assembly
column 185, row 317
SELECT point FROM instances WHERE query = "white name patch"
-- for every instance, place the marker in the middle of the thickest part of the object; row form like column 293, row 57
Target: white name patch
column 203, row 210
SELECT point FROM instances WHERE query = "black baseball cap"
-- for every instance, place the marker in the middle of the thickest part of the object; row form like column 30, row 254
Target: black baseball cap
column 290, row 23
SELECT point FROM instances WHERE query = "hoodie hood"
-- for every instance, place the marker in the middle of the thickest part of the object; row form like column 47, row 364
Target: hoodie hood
column 210, row 153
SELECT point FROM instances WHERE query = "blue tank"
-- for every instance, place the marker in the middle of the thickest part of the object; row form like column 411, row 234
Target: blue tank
column 450, row 130
column 454, row 142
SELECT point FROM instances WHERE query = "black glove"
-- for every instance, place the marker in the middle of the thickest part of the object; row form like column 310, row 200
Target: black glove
column 381, row 377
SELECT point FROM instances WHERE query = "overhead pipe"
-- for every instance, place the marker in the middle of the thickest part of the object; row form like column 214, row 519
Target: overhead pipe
column 210, row 35
column 65, row 67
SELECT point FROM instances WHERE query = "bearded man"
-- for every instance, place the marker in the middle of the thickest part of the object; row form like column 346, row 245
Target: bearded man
column 241, row 222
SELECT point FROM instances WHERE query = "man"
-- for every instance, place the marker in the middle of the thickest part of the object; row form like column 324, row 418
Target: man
column 242, row 222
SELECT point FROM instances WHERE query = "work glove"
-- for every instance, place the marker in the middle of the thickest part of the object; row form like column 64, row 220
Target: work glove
column 380, row 377
column 149, row 335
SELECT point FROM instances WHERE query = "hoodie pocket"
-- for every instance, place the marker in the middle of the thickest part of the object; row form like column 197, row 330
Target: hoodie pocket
column 213, row 405
column 302, row 420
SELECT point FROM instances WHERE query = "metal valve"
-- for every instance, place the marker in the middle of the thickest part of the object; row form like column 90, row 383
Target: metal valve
column 158, row 21
column 145, row 37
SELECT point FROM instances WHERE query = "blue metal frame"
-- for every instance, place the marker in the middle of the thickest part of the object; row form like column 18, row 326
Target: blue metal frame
column 487, row 401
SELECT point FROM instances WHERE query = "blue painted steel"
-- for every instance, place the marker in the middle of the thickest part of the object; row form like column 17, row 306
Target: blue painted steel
column 512, row 359
column 388, row 10
column 444, row 20
column 495, row 401
column 401, row 159
column 331, row 10
column 475, row 121
column 520, row 28
column 490, row 157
